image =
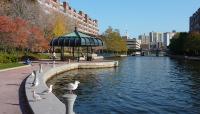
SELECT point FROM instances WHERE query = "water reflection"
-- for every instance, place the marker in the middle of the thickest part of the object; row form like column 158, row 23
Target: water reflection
column 140, row 85
column 69, row 103
column 192, row 71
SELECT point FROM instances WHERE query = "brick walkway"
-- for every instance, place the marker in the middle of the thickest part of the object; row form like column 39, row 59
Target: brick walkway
column 10, row 82
column 12, row 88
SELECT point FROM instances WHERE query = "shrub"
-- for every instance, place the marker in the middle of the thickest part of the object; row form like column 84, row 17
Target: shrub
column 8, row 58
column 35, row 56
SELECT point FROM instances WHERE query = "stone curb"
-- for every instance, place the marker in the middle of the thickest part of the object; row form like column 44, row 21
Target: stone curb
column 14, row 68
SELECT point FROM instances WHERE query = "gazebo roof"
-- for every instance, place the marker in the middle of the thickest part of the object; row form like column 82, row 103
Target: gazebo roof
column 76, row 39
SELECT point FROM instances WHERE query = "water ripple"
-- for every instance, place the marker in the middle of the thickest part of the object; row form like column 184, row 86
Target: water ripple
column 141, row 85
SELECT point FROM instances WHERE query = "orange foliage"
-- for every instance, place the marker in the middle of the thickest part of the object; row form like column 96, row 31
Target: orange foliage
column 6, row 24
column 38, row 40
column 19, row 33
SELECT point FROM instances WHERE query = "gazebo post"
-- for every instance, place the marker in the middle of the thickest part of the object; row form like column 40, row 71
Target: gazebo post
column 61, row 55
column 63, row 52
column 87, row 54
column 73, row 51
column 91, row 50
column 53, row 49
column 78, row 53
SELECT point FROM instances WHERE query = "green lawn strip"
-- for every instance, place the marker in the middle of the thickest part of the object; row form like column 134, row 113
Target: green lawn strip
column 10, row 65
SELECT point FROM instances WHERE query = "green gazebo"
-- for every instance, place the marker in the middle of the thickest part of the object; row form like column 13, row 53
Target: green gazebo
column 75, row 39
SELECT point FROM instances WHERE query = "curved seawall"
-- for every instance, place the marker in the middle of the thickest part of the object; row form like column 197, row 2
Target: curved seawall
column 50, row 104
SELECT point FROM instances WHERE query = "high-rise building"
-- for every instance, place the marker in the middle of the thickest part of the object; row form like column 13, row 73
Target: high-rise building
column 195, row 22
column 144, row 39
column 145, row 42
column 167, row 36
column 81, row 20
column 156, row 40
column 156, row 37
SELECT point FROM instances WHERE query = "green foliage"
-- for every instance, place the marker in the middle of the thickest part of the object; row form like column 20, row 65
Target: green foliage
column 186, row 43
column 40, row 56
column 35, row 56
column 10, row 65
column 8, row 58
column 14, row 57
column 114, row 41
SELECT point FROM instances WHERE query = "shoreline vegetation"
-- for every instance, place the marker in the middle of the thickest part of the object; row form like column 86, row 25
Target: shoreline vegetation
column 185, row 44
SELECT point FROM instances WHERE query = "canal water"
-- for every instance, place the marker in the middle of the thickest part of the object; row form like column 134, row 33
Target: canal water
column 140, row 85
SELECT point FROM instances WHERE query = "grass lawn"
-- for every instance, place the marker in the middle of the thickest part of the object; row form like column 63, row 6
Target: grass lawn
column 10, row 65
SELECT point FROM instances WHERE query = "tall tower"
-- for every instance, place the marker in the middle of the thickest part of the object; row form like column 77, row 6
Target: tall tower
column 127, row 35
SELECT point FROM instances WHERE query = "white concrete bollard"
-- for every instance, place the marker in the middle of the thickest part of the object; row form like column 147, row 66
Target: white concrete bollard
column 36, row 80
column 32, row 74
column 41, row 69
column 54, row 64
column 70, row 103
column 69, row 61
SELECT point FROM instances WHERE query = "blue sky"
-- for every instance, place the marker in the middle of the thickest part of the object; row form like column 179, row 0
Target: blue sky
column 139, row 16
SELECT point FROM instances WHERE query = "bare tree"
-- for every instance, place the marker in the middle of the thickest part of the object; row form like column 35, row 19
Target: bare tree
column 26, row 9
column 5, row 6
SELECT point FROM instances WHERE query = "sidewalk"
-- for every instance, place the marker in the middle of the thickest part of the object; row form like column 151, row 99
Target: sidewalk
column 10, row 82
column 11, row 87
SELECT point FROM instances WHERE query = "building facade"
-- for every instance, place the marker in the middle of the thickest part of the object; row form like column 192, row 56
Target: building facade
column 145, row 42
column 156, row 40
column 80, row 19
column 195, row 22
column 132, row 43
column 156, row 36
column 167, row 36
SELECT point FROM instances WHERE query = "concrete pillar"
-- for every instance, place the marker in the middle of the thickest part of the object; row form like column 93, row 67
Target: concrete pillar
column 41, row 69
column 54, row 64
column 32, row 74
column 70, row 103
column 36, row 80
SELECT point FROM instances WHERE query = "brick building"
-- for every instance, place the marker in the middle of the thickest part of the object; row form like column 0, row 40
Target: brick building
column 195, row 22
column 83, row 22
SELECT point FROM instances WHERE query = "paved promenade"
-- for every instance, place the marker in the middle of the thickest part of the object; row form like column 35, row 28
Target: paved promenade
column 10, row 82
column 12, row 88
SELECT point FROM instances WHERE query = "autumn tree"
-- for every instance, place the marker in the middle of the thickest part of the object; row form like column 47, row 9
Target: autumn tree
column 7, row 28
column 26, row 9
column 5, row 6
column 16, row 31
column 59, row 28
column 20, row 34
column 114, row 41
column 37, row 42
column 61, row 25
